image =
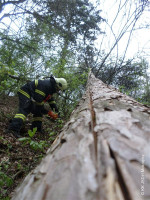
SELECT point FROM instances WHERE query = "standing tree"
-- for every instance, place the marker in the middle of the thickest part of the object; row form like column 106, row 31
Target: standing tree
column 102, row 152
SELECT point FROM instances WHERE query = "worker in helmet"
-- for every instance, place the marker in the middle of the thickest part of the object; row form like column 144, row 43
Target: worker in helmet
column 32, row 97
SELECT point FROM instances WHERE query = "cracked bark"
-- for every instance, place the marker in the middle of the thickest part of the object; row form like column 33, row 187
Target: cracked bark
column 100, row 153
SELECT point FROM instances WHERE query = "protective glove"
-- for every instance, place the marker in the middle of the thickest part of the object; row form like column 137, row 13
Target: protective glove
column 53, row 115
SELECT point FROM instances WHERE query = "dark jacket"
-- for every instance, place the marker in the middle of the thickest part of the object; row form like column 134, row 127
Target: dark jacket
column 40, row 91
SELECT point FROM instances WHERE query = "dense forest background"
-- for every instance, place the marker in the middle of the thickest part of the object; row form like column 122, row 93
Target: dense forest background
column 40, row 38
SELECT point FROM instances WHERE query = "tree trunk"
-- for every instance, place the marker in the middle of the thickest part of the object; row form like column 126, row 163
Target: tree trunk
column 102, row 153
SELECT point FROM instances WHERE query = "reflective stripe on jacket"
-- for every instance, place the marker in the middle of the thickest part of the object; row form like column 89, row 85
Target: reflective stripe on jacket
column 40, row 91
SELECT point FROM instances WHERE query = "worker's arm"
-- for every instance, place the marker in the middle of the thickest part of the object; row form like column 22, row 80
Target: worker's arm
column 53, row 105
column 39, row 93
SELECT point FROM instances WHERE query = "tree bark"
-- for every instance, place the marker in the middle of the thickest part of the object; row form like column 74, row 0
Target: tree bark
column 102, row 153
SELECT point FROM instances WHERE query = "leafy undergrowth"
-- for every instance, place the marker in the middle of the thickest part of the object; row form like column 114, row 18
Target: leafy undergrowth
column 19, row 156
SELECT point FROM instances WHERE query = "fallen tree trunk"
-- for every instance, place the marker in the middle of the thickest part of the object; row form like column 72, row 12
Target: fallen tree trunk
column 103, row 152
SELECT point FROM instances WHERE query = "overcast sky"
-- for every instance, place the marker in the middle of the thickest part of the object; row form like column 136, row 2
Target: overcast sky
column 140, row 39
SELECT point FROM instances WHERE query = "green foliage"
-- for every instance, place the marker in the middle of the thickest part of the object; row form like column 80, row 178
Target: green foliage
column 52, row 134
column 37, row 146
column 59, row 123
column 46, row 45
column 5, row 181
column 32, row 133
column 5, row 142
column 5, row 71
column 77, row 16
column 131, row 77
column 13, row 63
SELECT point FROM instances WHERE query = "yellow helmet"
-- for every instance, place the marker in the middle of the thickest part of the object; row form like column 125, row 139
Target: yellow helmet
column 61, row 83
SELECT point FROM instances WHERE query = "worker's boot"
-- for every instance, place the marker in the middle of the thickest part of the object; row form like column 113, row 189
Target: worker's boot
column 13, row 132
column 37, row 124
column 14, row 128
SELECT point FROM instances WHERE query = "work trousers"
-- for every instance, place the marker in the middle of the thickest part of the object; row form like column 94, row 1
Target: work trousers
column 26, row 106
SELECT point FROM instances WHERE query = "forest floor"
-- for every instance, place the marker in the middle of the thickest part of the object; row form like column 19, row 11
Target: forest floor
column 18, row 158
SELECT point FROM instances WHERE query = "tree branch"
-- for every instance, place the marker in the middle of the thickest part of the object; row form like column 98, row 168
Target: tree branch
column 5, row 3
